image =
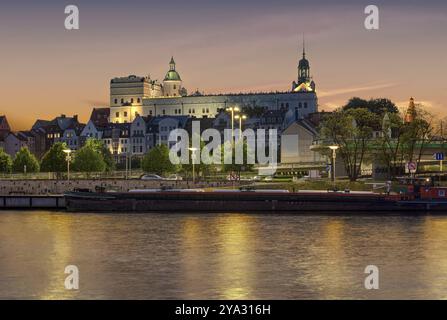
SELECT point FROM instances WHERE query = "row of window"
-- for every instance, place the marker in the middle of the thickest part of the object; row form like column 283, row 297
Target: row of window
column 132, row 100
column 164, row 129
column 55, row 135
column 300, row 105
column 176, row 111
column 122, row 141
column 137, row 149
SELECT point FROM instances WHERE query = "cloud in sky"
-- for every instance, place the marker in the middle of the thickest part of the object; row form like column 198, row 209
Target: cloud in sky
column 354, row 89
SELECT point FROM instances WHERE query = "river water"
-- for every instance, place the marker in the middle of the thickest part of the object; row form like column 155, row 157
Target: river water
column 221, row 256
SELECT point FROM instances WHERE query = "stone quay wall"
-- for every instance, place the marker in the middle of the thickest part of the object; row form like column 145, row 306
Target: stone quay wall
column 54, row 187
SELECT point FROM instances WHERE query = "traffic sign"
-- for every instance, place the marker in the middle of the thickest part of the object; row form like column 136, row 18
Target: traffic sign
column 439, row 156
column 411, row 166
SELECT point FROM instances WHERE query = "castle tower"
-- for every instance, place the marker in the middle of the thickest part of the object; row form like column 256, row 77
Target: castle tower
column 172, row 83
column 305, row 83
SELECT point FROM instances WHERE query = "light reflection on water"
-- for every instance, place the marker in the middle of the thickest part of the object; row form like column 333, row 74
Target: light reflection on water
column 221, row 256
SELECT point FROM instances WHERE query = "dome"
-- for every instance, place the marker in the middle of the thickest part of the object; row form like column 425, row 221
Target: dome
column 172, row 75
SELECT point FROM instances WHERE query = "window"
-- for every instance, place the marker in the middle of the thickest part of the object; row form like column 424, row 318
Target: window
column 116, row 101
column 125, row 113
column 300, row 105
column 164, row 111
column 117, row 114
column 138, row 100
column 131, row 100
column 122, row 100
column 175, row 87
column 305, row 104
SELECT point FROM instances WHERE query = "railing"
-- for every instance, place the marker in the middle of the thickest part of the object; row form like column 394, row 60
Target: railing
column 73, row 175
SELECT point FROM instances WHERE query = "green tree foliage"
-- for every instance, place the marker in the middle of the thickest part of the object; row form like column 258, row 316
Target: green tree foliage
column 377, row 106
column 24, row 158
column 5, row 162
column 157, row 161
column 402, row 142
column 55, row 160
column 351, row 130
column 387, row 139
column 101, row 148
column 88, row 159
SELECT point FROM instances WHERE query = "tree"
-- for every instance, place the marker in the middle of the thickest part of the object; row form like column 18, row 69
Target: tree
column 157, row 161
column 88, row 159
column 237, row 167
column 377, row 106
column 25, row 161
column 5, row 162
column 203, row 167
column 405, row 141
column 351, row 130
column 101, row 148
column 55, row 160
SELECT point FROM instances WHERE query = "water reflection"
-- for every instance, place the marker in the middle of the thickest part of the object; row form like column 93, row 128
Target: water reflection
column 221, row 256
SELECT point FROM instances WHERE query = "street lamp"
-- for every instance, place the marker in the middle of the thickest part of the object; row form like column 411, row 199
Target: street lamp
column 68, row 158
column 333, row 148
column 193, row 158
column 232, row 110
column 240, row 117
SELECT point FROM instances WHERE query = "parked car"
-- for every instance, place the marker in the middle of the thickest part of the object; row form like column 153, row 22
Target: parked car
column 152, row 177
column 174, row 177
column 268, row 178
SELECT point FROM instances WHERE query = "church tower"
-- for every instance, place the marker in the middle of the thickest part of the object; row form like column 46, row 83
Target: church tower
column 305, row 82
column 411, row 112
column 172, row 84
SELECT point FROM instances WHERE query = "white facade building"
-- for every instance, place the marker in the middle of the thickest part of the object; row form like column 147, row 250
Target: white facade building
column 132, row 96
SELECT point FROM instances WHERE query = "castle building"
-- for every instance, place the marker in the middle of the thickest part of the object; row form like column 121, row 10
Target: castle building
column 134, row 96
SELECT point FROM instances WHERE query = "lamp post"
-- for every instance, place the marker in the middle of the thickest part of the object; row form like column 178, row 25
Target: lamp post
column 193, row 158
column 68, row 158
column 232, row 110
column 240, row 118
column 334, row 149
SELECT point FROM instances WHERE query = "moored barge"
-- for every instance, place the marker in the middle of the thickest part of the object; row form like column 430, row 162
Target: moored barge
column 255, row 201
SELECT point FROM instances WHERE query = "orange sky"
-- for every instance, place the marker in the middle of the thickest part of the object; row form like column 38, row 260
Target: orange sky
column 232, row 47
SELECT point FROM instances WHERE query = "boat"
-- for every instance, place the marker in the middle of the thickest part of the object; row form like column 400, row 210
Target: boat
column 426, row 199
